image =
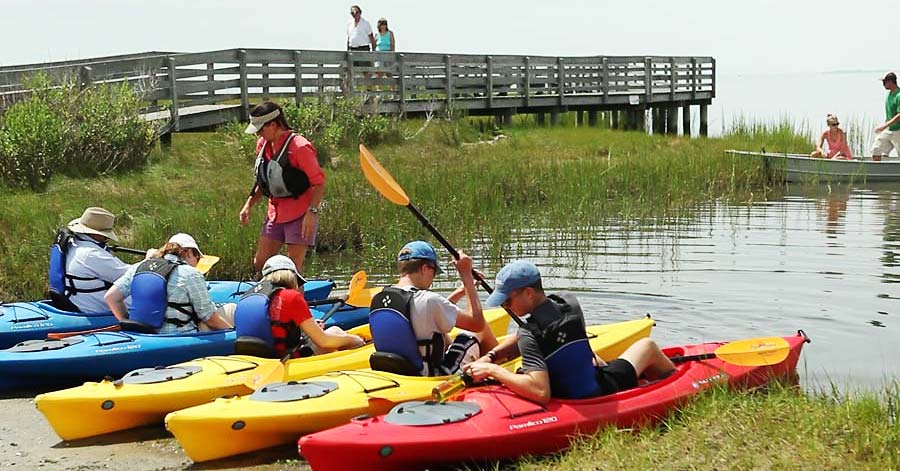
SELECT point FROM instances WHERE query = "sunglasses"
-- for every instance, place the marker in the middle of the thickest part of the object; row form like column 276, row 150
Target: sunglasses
column 834, row 124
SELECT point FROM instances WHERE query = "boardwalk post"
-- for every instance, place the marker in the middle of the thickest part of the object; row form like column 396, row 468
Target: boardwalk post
column 672, row 120
column 489, row 81
column 604, row 81
column 695, row 78
column 265, row 80
column 540, row 119
column 561, row 71
column 658, row 120
column 579, row 118
column 686, row 119
column 173, row 93
column 554, row 117
column 615, row 119
column 592, row 118
column 211, row 77
column 85, row 77
column 704, row 122
column 527, row 70
column 298, row 79
column 448, row 66
column 648, row 80
column 348, row 91
column 673, row 78
column 401, row 70
column 245, row 94
column 642, row 118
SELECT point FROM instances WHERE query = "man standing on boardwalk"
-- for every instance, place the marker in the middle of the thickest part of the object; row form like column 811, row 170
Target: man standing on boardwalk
column 359, row 32
column 888, row 133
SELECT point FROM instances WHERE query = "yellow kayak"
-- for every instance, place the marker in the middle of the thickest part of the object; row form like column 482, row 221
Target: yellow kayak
column 280, row 413
column 146, row 396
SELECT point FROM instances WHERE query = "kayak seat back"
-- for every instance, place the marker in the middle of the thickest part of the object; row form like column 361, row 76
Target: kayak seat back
column 254, row 346
column 392, row 363
column 251, row 317
column 61, row 302
column 572, row 372
column 138, row 327
column 392, row 333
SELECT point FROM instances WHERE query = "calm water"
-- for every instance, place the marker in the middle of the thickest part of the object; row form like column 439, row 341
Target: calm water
column 825, row 260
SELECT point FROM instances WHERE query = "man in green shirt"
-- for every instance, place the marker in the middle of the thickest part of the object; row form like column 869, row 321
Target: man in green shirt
column 889, row 132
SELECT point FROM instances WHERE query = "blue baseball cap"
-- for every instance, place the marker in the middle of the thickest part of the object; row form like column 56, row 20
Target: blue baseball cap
column 419, row 249
column 514, row 275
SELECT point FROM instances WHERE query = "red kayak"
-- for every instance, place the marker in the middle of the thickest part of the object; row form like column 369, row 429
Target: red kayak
column 492, row 423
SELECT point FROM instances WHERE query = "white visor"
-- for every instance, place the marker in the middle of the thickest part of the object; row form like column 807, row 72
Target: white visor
column 257, row 122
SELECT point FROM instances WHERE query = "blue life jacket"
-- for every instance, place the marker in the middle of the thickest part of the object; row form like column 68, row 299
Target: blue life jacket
column 558, row 326
column 149, row 295
column 392, row 332
column 62, row 285
column 252, row 318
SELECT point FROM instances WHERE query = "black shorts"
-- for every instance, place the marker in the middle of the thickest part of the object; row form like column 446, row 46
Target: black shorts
column 361, row 49
column 616, row 376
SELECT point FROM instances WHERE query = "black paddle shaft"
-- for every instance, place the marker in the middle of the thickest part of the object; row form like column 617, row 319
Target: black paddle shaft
column 687, row 358
column 437, row 235
column 116, row 248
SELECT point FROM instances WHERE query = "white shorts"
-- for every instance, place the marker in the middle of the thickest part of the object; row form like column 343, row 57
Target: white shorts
column 885, row 142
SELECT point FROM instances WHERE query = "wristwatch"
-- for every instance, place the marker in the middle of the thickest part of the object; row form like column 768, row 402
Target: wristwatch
column 492, row 355
column 313, row 210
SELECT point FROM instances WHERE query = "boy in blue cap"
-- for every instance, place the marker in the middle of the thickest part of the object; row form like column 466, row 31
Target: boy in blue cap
column 432, row 316
column 556, row 358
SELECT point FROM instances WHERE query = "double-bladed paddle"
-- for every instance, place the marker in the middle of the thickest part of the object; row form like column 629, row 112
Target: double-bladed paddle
column 761, row 351
column 203, row 266
column 382, row 180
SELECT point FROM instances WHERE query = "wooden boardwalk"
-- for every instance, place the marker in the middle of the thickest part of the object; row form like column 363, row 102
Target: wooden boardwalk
column 198, row 91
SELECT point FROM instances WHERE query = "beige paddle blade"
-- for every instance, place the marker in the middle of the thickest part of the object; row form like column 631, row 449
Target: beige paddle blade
column 358, row 295
column 206, row 263
column 755, row 352
column 380, row 178
column 272, row 371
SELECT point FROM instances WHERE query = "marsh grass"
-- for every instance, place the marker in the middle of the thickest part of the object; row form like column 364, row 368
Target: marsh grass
column 778, row 429
column 560, row 177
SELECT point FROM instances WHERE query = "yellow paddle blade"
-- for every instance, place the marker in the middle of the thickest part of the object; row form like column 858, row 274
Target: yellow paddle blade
column 272, row 371
column 206, row 263
column 380, row 178
column 364, row 297
column 755, row 352
column 358, row 295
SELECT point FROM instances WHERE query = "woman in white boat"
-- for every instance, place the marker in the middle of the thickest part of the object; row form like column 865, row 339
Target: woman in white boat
column 836, row 139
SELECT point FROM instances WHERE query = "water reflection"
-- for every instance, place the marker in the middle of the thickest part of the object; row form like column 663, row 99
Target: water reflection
column 824, row 260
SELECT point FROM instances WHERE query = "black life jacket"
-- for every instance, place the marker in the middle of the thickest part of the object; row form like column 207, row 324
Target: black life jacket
column 282, row 180
column 62, row 284
column 149, row 295
column 252, row 319
column 558, row 326
column 392, row 331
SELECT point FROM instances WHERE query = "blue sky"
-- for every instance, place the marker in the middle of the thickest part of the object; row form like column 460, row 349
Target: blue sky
column 744, row 37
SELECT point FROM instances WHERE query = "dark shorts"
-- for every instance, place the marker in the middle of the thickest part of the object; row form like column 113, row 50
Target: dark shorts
column 361, row 49
column 616, row 376
column 288, row 232
column 463, row 346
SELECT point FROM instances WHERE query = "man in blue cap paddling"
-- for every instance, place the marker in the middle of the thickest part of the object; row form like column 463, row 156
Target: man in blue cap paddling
column 556, row 357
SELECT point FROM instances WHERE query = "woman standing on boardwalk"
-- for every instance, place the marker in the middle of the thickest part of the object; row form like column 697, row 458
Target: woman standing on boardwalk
column 288, row 173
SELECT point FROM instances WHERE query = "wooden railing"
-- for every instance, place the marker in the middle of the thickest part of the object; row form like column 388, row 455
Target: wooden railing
column 392, row 82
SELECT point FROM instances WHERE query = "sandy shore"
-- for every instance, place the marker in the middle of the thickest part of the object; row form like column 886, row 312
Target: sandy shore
column 28, row 442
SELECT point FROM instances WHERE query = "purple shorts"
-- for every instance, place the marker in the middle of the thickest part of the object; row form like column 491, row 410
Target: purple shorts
column 288, row 232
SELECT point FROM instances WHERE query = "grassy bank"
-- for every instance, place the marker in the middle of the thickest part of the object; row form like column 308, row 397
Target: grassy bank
column 777, row 430
column 559, row 177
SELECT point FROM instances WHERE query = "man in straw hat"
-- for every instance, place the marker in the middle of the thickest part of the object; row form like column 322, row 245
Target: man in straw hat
column 87, row 269
column 888, row 133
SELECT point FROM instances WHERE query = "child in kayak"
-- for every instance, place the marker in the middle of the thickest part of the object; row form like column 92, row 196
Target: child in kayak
column 427, row 317
column 286, row 315
column 168, row 294
column 556, row 357
column 836, row 139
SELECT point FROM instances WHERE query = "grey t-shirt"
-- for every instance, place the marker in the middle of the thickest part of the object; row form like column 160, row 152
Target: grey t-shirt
column 430, row 313
column 532, row 357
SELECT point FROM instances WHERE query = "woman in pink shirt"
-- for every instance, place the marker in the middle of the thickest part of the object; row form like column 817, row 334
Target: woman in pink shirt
column 836, row 139
column 288, row 174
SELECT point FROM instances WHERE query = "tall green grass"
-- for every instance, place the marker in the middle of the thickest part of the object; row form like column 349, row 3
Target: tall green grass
column 559, row 177
column 781, row 429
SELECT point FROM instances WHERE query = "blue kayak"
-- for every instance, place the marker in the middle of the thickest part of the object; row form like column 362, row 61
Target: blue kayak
column 33, row 320
column 91, row 357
